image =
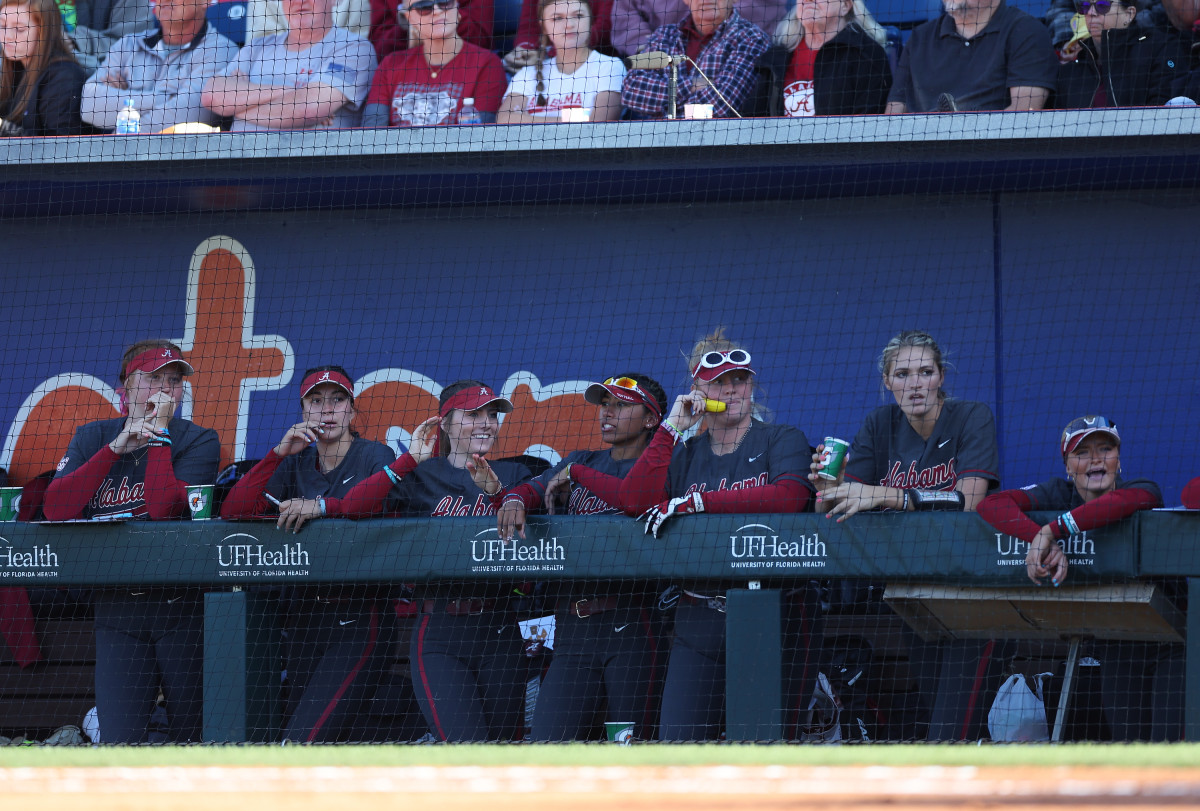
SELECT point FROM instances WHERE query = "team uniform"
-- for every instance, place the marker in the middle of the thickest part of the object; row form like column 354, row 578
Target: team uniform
column 466, row 654
column 605, row 649
column 1141, row 683
column 336, row 650
column 766, row 473
column 147, row 637
column 888, row 452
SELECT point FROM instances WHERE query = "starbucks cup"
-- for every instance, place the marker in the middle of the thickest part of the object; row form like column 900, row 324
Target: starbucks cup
column 10, row 503
column 200, row 500
column 833, row 458
column 619, row 732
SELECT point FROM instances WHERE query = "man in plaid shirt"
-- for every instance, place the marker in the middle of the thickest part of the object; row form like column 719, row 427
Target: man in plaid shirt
column 723, row 43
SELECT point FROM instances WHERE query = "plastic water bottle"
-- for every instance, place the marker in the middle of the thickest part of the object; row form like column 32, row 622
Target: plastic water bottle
column 468, row 114
column 129, row 120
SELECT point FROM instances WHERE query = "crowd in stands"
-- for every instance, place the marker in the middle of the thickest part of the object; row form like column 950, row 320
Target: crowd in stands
column 70, row 66
column 711, row 450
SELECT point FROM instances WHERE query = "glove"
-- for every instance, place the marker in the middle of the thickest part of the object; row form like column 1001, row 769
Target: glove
column 655, row 517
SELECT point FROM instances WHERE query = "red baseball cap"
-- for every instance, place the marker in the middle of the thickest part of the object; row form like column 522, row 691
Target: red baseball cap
column 1082, row 427
column 154, row 359
column 475, row 397
column 326, row 376
column 625, row 389
column 715, row 363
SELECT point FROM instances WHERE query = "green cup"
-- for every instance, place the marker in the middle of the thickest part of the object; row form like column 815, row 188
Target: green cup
column 10, row 502
column 200, row 500
column 619, row 732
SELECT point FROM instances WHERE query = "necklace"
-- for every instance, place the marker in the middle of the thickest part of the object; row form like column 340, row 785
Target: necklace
column 741, row 439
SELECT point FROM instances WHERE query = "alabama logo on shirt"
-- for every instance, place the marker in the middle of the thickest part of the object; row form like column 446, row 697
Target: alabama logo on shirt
column 798, row 99
column 423, row 105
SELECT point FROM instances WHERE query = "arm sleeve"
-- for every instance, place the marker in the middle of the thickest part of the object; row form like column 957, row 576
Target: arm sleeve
column 101, row 101
column 901, row 81
column 349, row 71
column 1006, row 512
column 369, row 496
column 68, row 494
column 1191, row 494
column 646, row 483
column 246, row 499
column 179, row 102
column 1112, row 507
column 735, row 76
column 530, row 496
column 1031, row 59
column 165, row 495
column 784, row 496
column 646, row 90
column 603, row 485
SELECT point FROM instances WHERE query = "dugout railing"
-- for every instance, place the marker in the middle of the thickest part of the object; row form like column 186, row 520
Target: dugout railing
column 761, row 554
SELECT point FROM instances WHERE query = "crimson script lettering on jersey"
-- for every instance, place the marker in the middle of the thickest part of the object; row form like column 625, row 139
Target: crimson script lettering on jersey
column 937, row 477
column 453, row 505
column 109, row 496
column 754, row 481
column 585, row 502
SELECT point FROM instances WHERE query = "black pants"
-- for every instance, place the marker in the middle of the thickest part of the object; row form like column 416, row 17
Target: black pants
column 608, row 657
column 147, row 641
column 469, row 674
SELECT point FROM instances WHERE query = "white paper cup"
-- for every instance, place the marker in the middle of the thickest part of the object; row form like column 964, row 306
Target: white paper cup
column 574, row 115
column 697, row 111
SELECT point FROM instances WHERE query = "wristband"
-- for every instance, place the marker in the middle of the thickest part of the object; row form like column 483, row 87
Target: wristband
column 929, row 500
column 159, row 440
column 321, row 505
column 670, row 428
column 511, row 497
column 395, row 477
column 1067, row 522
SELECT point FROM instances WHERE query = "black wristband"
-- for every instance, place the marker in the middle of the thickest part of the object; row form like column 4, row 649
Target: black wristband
column 928, row 500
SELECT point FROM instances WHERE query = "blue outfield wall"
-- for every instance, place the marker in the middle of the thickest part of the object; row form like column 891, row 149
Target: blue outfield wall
column 1053, row 297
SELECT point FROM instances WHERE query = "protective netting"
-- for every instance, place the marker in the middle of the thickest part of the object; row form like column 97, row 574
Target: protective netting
column 512, row 432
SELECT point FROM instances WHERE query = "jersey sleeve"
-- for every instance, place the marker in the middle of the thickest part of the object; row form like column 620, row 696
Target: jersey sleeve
column 170, row 468
column 369, row 496
column 977, row 452
column 1005, row 511
column 646, row 484
column 789, row 457
column 1117, row 505
column 349, row 71
column 77, row 478
column 246, row 499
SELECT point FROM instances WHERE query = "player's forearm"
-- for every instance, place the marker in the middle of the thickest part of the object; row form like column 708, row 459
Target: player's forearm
column 297, row 109
column 246, row 499
column 1005, row 512
column 785, row 496
column 606, row 487
column 234, row 95
column 646, row 484
column 165, row 495
column 369, row 496
column 68, row 495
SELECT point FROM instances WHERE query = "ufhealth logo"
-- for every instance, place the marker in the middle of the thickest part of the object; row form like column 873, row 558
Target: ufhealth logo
column 243, row 555
column 490, row 554
column 760, row 547
column 1080, row 550
column 36, row 561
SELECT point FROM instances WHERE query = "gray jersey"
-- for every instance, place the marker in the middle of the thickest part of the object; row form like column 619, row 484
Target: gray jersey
column 887, row 450
column 300, row 476
column 437, row 488
column 768, row 453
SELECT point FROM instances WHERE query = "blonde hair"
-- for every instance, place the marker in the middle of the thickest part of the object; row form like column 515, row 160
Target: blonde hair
column 790, row 31
column 716, row 341
column 916, row 339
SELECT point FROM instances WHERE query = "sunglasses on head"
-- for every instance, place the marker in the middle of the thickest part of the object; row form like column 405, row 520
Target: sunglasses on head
column 425, row 11
column 714, row 359
column 1102, row 6
column 629, row 384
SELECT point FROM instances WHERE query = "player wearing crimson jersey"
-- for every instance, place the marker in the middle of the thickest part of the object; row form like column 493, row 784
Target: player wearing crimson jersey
column 1141, row 683
column 739, row 464
column 605, row 649
column 147, row 639
column 335, row 650
column 466, row 658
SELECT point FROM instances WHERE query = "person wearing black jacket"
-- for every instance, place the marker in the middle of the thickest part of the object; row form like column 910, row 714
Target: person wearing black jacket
column 1120, row 65
column 825, row 61
column 1185, row 16
column 40, row 82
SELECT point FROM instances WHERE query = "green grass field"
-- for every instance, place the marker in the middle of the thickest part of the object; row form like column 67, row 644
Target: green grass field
column 1125, row 756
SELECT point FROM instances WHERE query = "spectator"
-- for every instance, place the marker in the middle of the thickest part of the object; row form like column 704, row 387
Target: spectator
column 40, row 81
column 717, row 38
column 139, row 466
column 1185, row 16
column 265, row 17
column 828, row 59
column 978, row 55
column 162, row 70
column 391, row 28
column 1120, row 64
column 529, row 34
column 100, row 23
column 737, row 464
column 426, row 85
column 576, row 76
column 315, row 76
column 1142, row 684
column 1150, row 14
column 634, row 22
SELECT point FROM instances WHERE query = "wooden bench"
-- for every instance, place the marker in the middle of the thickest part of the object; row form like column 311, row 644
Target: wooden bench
column 36, row 700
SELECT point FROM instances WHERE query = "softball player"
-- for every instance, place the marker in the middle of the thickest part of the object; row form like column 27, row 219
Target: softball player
column 1141, row 683
column 139, row 466
column 335, row 652
column 739, row 464
column 468, row 667
column 604, row 647
column 925, row 452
